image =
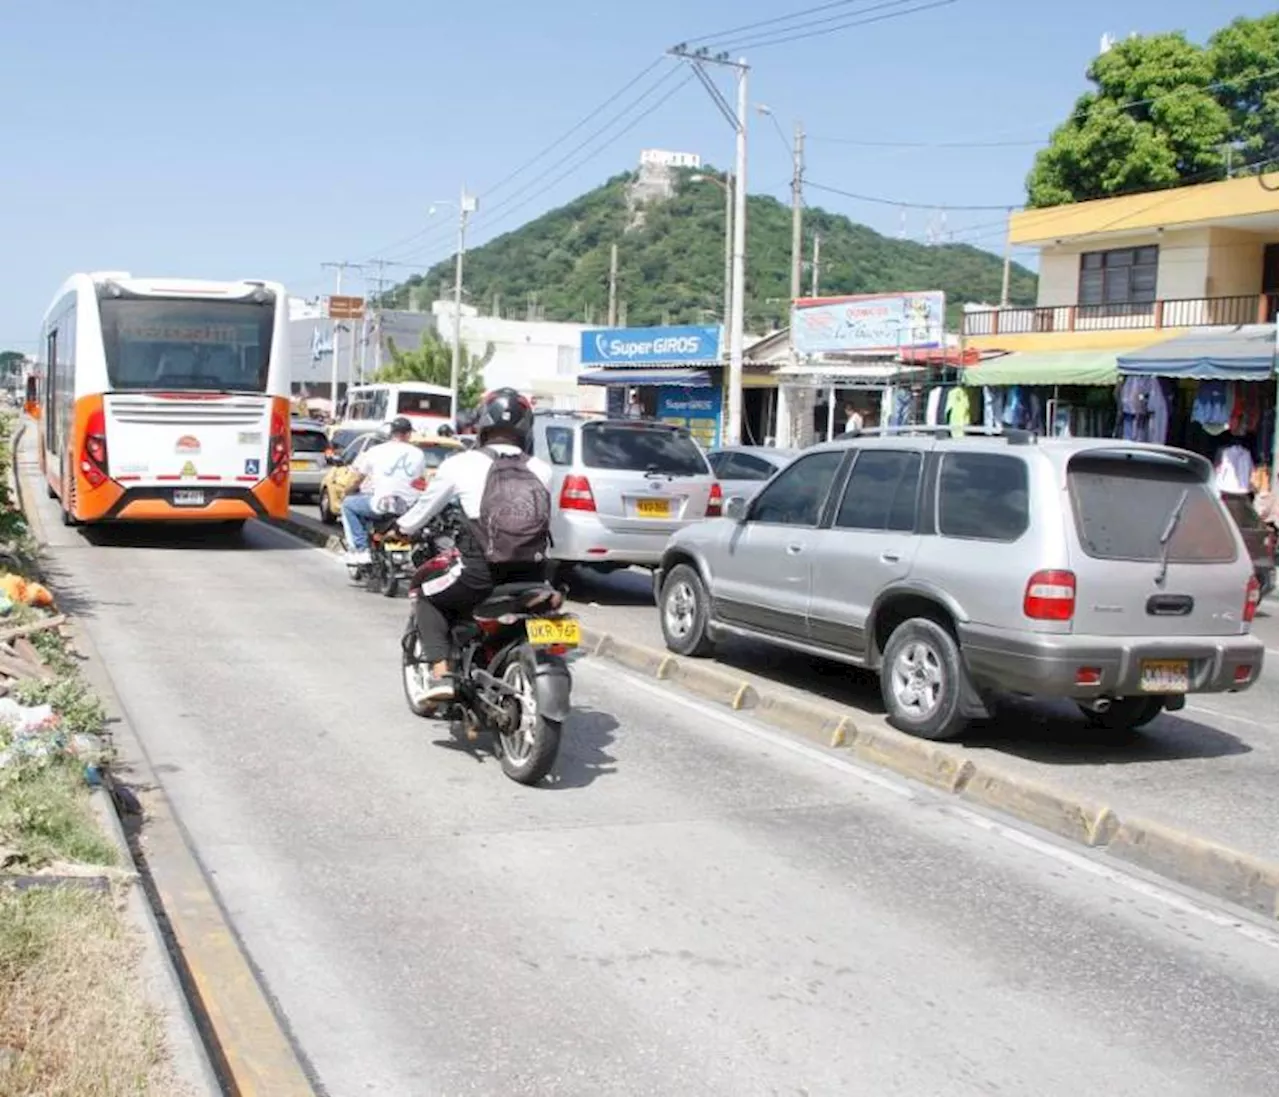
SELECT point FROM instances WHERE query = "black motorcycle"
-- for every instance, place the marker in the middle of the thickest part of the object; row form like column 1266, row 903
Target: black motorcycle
column 390, row 559
column 509, row 671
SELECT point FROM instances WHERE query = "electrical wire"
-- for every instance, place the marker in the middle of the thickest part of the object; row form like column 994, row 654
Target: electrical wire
column 708, row 38
column 1007, row 207
column 784, row 39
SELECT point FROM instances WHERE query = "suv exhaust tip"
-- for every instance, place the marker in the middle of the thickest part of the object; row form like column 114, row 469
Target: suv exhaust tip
column 1099, row 704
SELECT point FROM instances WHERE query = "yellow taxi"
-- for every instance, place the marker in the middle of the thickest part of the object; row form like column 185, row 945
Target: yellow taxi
column 341, row 477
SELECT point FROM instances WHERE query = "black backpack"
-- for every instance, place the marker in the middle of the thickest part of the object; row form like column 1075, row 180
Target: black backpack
column 514, row 526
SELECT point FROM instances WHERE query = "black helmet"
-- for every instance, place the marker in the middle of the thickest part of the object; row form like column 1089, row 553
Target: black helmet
column 507, row 410
column 400, row 425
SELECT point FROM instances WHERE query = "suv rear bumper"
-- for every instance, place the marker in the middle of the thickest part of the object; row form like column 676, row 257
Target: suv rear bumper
column 583, row 538
column 1047, row 665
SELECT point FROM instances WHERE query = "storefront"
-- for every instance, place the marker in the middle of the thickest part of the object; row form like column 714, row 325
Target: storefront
column 673, row 374
column 1059, row 393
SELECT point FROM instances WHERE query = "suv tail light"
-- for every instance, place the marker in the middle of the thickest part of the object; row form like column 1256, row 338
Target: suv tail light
column 575, row 494
column 93, row 461
column 278, row 449
column 1252, row 596
column 1050, row 596
column 715, row 502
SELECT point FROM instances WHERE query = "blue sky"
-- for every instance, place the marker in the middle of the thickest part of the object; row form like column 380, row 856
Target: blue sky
column 251, row 139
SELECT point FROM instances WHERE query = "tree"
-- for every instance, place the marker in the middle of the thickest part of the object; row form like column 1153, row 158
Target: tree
column 432, row 364
column 1151, row 124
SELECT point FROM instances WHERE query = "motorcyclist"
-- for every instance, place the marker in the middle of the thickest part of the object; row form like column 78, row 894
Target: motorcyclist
column 390, row 479
column 505, row 426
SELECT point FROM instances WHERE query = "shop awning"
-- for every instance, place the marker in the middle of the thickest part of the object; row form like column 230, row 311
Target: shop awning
column 1064, row 367
column 693, row 378
column 1209, row 354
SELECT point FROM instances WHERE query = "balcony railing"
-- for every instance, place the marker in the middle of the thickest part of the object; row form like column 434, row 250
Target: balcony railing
column 1187, row 312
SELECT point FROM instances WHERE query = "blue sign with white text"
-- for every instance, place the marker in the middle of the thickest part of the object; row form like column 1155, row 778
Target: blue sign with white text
column 699, row 410
column 649, row 346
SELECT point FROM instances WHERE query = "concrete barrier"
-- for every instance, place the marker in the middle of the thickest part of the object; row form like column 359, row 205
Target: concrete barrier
column 915, row 758
column 1062, row 813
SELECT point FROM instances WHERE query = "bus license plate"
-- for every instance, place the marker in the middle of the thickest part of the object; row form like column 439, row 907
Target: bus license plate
column 546, row 632
column 1165, row 676
column 188, row 498
column 653, row 508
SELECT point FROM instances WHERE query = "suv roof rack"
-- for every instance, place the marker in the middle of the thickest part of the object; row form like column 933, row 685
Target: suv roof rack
column 1014, row 436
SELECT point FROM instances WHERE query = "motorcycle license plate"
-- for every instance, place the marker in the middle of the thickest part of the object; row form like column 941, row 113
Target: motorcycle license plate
column 544, row 632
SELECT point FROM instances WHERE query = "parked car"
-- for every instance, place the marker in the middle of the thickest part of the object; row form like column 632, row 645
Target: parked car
column 621, row 487
column 743, row 470
column 338, row 480
column 1101, row 571
column 308, row 458
column 1259, row 539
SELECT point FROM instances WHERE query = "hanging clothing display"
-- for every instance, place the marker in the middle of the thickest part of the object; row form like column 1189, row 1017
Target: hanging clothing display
column 1212, row 406
column 959, row 410
column 992, row 406
column 1233, row 470
column 1144, row 409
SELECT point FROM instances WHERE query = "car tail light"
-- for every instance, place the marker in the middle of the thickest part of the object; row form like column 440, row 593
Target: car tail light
column 575, row 494
column 1050, row 596
column 93, row 462
column 1088, row 676
column 715, row 502
column 1252, row 596
column 278, row 463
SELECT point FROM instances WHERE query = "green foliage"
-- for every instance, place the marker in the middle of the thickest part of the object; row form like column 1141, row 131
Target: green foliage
column 1166, row 112
column 671, row 261
column 432, row 364
column 77, row 706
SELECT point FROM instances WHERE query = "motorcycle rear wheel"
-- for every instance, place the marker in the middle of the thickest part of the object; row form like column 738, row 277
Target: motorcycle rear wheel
column 529, row 749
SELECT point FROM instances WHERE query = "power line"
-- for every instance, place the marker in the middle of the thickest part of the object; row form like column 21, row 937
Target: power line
column 927, row 144
column 707, row 39
column 778, row 41
column 1007, row 207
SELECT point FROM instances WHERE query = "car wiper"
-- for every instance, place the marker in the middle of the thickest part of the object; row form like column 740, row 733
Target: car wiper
column 1166, row 538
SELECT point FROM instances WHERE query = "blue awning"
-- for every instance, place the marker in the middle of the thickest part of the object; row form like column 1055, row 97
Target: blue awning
column 690, row 378
column 1246, row 353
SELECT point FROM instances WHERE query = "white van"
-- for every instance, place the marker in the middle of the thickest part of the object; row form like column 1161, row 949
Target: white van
column 372, row 406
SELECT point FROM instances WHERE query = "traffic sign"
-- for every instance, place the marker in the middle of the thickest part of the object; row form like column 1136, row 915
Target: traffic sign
column 346, row 308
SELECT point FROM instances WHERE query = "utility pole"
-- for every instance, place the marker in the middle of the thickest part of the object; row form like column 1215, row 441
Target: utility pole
column 817, row 262
column 613, row 286
column 1004, row 280
column 737, row 119
column 728, row 249
column 339, row 268
column 797, row 207
column 467, row 205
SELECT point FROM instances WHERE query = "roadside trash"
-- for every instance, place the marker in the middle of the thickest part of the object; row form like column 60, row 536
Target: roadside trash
column 6, row 605
column 18, row 589
column 22, row 718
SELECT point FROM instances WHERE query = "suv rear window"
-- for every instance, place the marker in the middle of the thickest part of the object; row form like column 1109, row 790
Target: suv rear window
column 309, row 441
column 1123, row 504
column 642, row 449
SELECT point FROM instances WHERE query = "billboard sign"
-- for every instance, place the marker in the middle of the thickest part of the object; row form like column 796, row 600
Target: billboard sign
column 650, row 346
column 698, row 410
column 346, row 307
column 882, row 323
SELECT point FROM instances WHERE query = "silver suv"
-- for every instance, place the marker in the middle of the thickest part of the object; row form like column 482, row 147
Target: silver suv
column 1102, row 571
column 621, row 488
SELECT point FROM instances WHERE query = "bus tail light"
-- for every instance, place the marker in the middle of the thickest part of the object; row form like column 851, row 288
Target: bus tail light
column 279, row 450
column 93, row 460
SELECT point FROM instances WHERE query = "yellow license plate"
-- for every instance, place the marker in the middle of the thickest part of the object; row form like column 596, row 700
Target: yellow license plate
column 298, row 466
column 1165, row 676
column 653, row 508
column 546, row 632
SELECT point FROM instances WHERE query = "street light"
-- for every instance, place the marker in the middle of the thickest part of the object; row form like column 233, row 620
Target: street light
column 467, row 205
column 726, row 185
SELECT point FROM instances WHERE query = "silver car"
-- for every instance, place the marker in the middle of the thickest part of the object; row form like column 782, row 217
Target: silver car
column 744, row 470
column 308, row 458
column 1098, row 570
column 621, row 488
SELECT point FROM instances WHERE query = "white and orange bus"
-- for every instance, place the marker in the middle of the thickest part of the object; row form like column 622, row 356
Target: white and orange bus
column 165, row 399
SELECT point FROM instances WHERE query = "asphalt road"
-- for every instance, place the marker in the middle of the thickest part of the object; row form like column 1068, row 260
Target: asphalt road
column 693, row 906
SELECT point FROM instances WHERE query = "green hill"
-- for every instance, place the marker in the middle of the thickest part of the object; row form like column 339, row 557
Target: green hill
column 671, row 263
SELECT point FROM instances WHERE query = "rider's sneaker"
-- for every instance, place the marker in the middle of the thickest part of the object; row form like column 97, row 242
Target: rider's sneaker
column 355, row 559
column 439, row 689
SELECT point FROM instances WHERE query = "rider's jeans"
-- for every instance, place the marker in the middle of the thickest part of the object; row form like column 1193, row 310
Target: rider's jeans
column 357, row 511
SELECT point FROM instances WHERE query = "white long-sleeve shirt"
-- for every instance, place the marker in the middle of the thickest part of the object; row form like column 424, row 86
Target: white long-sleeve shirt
column 463, row 477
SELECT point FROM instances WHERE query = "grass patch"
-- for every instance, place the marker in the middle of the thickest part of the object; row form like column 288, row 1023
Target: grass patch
column 73, row 1018
column 45, row 816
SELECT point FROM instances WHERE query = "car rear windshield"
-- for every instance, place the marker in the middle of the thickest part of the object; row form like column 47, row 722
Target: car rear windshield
column 1124, row 504
column 670, row 452
column 309, row 441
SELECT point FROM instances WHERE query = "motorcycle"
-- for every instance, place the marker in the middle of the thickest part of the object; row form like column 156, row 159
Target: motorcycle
column 390, row 559
column 509, row 671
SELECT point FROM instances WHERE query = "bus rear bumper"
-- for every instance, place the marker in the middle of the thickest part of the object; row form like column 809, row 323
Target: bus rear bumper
column 161, row 504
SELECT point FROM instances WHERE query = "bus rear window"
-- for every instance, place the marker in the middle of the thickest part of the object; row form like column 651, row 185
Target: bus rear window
column 161, row 344
column 423, row 403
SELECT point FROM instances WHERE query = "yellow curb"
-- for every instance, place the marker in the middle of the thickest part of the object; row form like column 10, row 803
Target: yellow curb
column 716, row 685
column 911, row 757
column 636, row 656
column 816, row 722
column 1199, row 863
column 1064, row 814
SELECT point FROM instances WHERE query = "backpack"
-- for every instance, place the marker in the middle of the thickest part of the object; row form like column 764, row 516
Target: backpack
column 515, row 511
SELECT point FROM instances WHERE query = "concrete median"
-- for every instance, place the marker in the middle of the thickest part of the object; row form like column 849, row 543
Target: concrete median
column 1061, row 813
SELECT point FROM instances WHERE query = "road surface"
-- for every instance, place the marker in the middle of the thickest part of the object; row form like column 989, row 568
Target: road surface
column 694, row 906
